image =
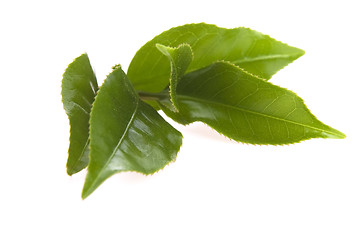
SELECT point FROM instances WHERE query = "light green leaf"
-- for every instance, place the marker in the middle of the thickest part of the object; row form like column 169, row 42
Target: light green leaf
column 179, row 58
column 126, row 134
column 246, row 108
column 79, row 87
column 256, row 53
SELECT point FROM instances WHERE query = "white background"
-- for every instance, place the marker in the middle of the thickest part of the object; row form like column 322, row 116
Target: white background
column 217, row 189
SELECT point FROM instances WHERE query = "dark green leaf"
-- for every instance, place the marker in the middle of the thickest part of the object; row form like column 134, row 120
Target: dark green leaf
column 79, row 87
column 179, row 59
column 126, row 134
column 256, row 53
column 246, row 108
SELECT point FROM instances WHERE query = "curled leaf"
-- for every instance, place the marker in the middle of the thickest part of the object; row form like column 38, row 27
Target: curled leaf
column 79, row 87
column 179, row 59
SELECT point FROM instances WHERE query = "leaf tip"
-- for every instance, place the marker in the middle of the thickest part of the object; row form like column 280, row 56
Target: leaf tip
column 116, row 66
column 164, row 49
column 90, row 185
column 300, row 53
column 69, row 171
column 86, row 191
column 334, row 134
column 84, row 195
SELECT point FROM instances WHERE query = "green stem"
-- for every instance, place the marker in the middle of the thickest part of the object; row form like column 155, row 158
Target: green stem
column 154, row 96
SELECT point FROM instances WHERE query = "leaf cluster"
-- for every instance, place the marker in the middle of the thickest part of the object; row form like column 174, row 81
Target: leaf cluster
column 195, row 72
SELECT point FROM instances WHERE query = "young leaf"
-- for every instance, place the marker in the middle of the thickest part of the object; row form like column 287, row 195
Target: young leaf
column 246, row 108
column 179, row 58
column 126, row 134
column 256, row 53
column 79, row 87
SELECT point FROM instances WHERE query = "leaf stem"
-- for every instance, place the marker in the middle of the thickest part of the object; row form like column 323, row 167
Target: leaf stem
column 154, row 96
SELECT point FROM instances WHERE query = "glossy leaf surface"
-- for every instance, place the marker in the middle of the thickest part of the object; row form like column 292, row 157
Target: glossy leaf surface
column 246, row 108
column 179, row 59
column 256, row 53
column 126, row 134
column 79, row 87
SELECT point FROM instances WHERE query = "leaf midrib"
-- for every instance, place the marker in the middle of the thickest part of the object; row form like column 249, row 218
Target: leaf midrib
column 255, row 113
column 119, row 143
column 262, row 57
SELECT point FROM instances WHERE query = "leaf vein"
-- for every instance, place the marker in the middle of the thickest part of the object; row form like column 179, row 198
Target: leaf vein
column 261, row 58
column 238, row 108
column 119, row 143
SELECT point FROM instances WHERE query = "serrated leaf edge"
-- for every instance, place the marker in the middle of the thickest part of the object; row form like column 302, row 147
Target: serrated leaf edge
column 86, row 194
column 339, row 134
column 161, row 47
column 70, row 169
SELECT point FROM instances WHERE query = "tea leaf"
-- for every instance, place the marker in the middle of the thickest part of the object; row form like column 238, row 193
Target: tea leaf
column 79, row 87
column 246, row 108
column 126, row 134
column 256, row 53
column 179, row 58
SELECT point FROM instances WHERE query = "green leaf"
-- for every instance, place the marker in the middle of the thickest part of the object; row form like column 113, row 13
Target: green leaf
column 126, row 134
column 79, row 87
column 256, row 53
column 179, row 58
column 246, row 108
